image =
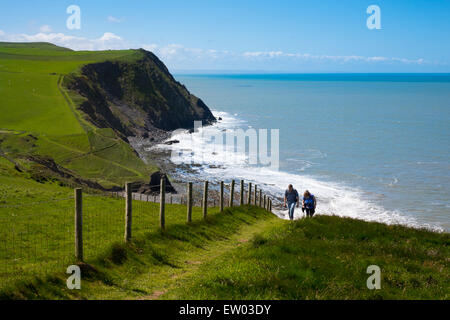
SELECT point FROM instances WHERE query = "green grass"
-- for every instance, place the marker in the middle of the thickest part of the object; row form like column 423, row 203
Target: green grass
column 39, row 236
column 126, row 271
column 17, row 188
column 326, row 258
column 33, row 101
column 244, row 253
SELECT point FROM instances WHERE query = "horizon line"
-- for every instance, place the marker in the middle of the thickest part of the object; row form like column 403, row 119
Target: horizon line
column 269, row 72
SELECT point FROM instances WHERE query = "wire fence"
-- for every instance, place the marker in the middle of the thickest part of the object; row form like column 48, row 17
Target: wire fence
column 103, row 219
column 39, row 238
column 32, row 242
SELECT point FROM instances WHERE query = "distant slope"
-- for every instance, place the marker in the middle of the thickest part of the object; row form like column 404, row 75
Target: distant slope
column 79, row 107
column 32, row 46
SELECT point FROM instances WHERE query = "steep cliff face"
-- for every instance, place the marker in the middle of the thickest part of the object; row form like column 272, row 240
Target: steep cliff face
column 134, row 97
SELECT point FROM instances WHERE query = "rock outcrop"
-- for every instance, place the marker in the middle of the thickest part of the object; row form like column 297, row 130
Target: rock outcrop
column 136, row 96
column 153, row 187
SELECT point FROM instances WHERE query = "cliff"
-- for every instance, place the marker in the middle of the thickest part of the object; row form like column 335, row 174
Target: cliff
column 68, row 115
column 136, row 96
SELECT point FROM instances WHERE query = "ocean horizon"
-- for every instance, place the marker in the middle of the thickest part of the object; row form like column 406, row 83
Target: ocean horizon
column 321, row 76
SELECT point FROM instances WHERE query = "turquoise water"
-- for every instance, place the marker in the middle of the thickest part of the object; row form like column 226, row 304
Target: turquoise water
column 381, row 138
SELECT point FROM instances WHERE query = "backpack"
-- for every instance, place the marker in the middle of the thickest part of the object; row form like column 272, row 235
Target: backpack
column 309, row 202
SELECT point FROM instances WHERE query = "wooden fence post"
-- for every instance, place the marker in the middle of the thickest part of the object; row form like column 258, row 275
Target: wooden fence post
column 249, row 200
column 221, row 196
column 205, row 200
column 78, row 225
column 270, row 205
column 162, row 204
column 256, row 194
column 189, row 202
column 128, row 211
column 231, row 194
column 260, row 197
column 265, row 202
column 242, row 193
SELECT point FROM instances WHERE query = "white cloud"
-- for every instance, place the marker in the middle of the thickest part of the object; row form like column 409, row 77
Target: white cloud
column 409, row 61
column 108, row 36
column 179, row 56
column 259, row 54
column 108, row 41
column 45, row 29
column 307, row 57
column 177, row 52
column 115, row 20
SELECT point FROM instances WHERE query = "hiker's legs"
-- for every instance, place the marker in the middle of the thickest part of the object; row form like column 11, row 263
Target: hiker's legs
column 310, row 212
column 291, row 207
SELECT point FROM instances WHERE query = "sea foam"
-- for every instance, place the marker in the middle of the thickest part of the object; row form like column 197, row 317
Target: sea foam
column 333, row 198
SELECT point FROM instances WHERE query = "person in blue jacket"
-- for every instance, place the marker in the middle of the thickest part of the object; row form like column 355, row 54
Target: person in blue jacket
column 309, row 204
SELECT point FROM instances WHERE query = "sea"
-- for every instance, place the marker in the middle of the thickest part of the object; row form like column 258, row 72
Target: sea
column 374, row 147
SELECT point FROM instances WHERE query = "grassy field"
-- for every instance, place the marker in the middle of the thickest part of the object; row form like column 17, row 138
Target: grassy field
column 34, row 103
column 248, row 253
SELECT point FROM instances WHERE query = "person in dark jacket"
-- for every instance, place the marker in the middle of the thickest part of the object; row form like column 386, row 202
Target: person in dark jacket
column 291, row 198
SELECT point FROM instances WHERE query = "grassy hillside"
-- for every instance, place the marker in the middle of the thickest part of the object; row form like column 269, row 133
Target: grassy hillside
column 152, row 261
column 39, row 116
column 248, row 253
column 326, row 258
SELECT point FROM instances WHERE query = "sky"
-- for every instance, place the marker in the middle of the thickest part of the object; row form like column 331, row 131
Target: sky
column 247, row 35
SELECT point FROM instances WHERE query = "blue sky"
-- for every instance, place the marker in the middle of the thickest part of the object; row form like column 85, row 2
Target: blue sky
column 272, row 36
